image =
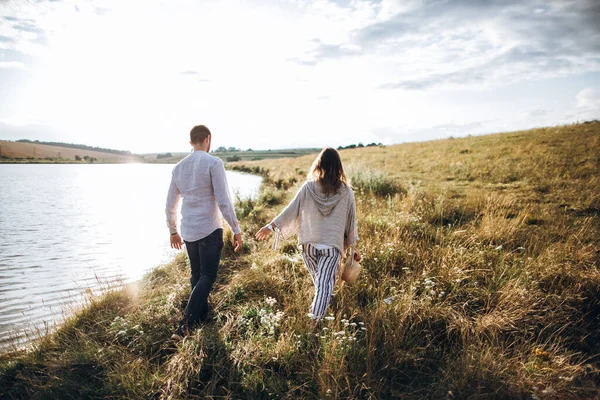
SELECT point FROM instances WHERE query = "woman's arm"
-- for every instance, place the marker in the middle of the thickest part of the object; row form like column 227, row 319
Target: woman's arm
column 286, row 221
column 351, row 231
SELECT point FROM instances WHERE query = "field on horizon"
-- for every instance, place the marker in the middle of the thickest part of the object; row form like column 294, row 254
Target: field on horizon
column 233, row 156
column 19, row 151
column 24, row 152
column 481, row 280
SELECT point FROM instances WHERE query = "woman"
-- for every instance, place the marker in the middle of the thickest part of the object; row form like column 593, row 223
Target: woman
column 323, row 212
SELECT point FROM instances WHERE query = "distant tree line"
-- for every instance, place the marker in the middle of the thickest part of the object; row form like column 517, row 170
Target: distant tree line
column 223, row 149
column 78, row 146
column 355, row 146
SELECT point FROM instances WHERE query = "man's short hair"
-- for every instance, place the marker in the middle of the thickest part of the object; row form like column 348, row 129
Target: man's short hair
column 198, row 134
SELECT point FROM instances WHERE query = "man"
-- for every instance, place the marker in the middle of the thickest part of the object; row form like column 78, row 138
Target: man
column 200, row 180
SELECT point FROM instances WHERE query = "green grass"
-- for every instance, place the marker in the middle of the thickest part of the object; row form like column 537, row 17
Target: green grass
column 481, row 280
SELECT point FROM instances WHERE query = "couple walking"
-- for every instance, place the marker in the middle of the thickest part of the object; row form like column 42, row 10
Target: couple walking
column 323, row 214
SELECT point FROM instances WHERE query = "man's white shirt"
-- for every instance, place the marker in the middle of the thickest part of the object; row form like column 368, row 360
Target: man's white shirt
column 199, row 180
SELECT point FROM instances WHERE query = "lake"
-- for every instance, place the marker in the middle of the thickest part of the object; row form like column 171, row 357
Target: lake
column 66, row 229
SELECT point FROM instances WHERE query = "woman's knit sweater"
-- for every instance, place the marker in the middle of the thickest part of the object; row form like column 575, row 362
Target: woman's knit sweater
column 320, row 219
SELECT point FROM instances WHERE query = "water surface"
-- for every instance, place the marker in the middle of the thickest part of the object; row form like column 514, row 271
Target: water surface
column 65, row 229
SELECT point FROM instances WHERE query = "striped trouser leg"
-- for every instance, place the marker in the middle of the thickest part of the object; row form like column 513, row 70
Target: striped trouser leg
column 322, row 266
column 310, row 257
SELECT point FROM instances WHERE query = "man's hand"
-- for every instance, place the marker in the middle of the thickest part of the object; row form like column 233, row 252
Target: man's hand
column 357, row 255
column 263, row 233
column 176, row 242
column 237, row 242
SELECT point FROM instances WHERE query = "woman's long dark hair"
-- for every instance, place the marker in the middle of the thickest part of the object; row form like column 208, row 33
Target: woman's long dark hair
column 327, row 169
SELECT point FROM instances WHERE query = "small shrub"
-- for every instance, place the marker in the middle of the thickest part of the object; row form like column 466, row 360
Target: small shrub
column 375, row 182
column 243, row 207
column 271, row 197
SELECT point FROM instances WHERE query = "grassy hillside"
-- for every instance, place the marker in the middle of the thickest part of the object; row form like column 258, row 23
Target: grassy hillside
column 36, row 152
column 481, row 280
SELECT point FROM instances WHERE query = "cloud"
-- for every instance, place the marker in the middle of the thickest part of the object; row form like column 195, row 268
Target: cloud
column 303, row 61
column 438, row 44
column 11, row 64
column 324, row 51
column 9, row 55
column 587, row 106
column 194, row 74
column 458, row 78
column 588, row 98
column 28, row 26
column 20, row 40
column 101, row 10
column 537, row 113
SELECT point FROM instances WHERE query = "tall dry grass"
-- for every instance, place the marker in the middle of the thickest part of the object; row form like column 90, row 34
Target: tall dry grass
column 481, row 280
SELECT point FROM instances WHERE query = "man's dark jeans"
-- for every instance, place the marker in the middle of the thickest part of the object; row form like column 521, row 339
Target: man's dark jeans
column 204, row 255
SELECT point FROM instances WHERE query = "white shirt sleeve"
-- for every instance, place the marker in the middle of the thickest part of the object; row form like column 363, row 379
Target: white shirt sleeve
column 171, row 209
column 221, row 190
column 287, row 220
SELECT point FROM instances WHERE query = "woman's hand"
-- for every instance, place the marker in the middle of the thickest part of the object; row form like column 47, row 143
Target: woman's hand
column 263, row 233
column 357, row 255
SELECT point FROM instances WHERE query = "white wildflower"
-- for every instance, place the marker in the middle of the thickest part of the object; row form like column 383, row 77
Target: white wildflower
column 270, row 301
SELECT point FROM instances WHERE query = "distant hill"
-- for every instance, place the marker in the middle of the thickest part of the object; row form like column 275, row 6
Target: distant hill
column 77, row 146
column 35, row 150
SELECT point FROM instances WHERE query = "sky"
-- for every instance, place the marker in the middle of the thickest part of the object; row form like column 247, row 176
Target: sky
column 270, row 74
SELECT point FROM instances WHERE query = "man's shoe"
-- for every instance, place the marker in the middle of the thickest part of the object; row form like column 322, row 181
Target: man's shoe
column 180, row 333
column 176, row 337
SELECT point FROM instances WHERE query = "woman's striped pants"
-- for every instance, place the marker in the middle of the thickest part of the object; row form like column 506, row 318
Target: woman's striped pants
column 322, row 266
